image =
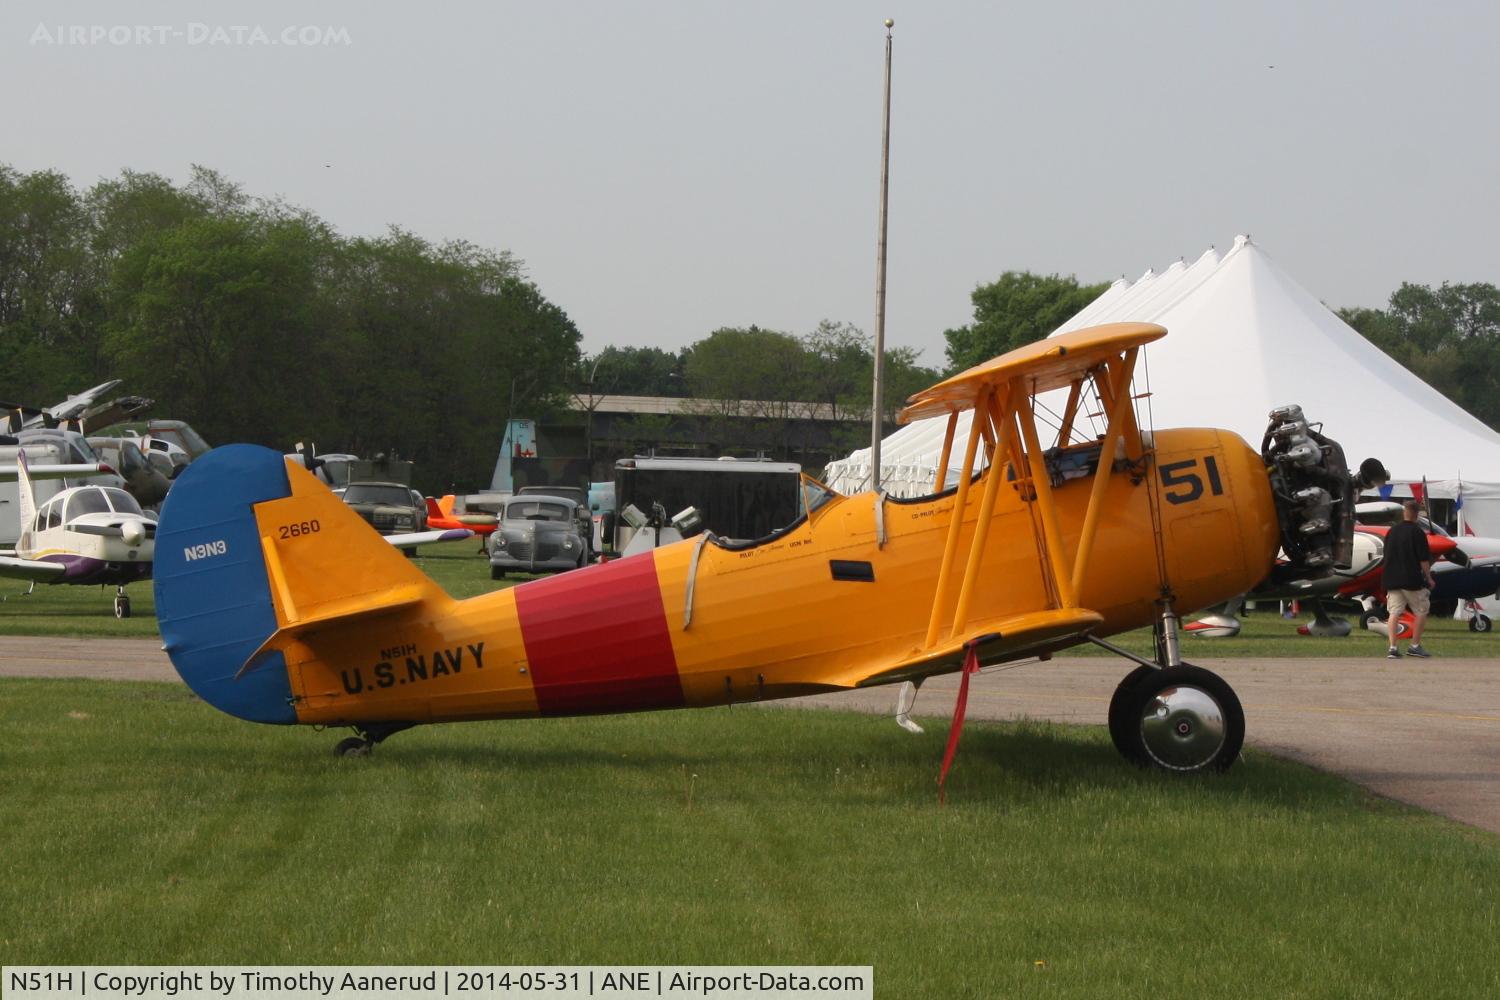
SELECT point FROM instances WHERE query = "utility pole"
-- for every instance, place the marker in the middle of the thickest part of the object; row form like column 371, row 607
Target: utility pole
column 877, row 407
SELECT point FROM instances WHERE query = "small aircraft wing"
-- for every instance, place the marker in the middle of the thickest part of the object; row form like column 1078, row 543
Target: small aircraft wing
column 1010, row 638
column 1048, row 364
column 31, row 569
column 411, row 539
column 81, row 470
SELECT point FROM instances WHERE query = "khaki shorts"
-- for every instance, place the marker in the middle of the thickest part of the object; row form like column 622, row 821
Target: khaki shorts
column 1397, row 601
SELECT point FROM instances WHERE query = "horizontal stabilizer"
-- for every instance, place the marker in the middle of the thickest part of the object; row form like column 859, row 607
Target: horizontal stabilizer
column 336, row 613
column 996, row 640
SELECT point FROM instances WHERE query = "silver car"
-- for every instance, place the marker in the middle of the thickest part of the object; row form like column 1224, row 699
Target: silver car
column 536, row 534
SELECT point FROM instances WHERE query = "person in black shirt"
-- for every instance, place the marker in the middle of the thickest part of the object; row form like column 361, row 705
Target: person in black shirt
column 1407, row 578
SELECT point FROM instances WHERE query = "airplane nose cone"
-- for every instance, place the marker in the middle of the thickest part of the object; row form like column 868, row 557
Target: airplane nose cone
column 133, row 532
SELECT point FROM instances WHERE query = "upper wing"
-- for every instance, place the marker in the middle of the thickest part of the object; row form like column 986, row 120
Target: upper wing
column 1013, row 637
column 1047, row 364
column 31, row 569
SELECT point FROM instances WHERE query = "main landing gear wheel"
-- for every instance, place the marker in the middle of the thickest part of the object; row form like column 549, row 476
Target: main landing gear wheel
column 1121, row 707
column 1480, row 623
column 1183, row 719
column 122, row 606
column 1370, row 617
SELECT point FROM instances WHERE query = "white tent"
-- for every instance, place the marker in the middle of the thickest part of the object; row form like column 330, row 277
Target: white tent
column 1243, row 338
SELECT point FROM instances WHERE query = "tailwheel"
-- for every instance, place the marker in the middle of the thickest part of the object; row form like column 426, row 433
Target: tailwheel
column 122, row 606
column 1183, row 719
column 353, row 746
column 369, row 734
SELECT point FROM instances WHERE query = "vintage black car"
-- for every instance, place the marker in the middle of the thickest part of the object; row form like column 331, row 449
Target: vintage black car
column 536, row 534
column 391, row 508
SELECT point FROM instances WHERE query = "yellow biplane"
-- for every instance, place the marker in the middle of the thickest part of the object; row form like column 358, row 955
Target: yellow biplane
column 278, row 605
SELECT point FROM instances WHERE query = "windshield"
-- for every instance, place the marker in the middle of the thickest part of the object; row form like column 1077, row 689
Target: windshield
column 531, row 510
column 122, row 502
column 814, row 494
column 395, row 496
column 87, row 501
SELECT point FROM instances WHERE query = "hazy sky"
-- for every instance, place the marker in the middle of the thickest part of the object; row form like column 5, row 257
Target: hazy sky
column 668, row 168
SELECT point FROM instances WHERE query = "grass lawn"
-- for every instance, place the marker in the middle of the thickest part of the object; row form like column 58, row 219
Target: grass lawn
column 138, row 825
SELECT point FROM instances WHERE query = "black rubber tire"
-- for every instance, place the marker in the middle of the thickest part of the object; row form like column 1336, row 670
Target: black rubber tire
column 352, row 746
column 122, row 607
column 496, row 573
column 1121, row 709
column 1480, row 623
column 1210, row 684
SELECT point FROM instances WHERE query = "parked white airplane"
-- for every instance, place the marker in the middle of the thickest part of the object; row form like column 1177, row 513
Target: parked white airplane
column 83, row 535
column 100, row 534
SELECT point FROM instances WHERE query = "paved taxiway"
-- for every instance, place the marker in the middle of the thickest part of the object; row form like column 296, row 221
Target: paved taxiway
column 1422, row 732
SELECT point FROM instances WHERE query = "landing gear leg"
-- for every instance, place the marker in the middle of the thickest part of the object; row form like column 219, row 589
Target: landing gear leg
column 1168, row 637
column 122, row 603
column 361, row 744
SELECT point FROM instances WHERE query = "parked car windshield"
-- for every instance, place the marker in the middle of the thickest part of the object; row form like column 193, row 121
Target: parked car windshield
column 396, row 496
column 532, row 510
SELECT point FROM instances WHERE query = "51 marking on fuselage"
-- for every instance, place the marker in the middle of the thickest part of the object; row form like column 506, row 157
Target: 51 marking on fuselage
column 1185, row 483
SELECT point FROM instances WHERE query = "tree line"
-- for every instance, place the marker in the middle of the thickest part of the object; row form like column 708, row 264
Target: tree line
column 255, row 321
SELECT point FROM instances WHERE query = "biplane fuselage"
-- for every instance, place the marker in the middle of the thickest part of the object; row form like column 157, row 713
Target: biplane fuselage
column 279, row 605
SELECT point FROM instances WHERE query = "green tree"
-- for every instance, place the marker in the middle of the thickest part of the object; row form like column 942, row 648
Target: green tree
column 219, row 320
column 435, row 345
column 632, row 371
column 1015, row 310
column 1448, row 336
column 44, row 274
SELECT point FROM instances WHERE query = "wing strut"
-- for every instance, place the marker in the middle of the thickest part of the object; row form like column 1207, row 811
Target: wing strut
column 941, row 476
column 1120, row 390
column 950, row 548
column 987, row 504
column 1041, row 484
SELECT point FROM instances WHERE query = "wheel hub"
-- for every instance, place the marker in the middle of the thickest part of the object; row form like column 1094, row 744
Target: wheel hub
column 1183, row 728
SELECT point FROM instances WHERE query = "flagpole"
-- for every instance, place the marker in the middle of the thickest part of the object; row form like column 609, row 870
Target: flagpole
column 877, row 403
